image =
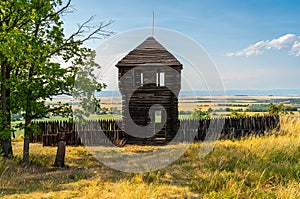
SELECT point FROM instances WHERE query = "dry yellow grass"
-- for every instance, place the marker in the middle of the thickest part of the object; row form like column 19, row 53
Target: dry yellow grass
column 258, row 167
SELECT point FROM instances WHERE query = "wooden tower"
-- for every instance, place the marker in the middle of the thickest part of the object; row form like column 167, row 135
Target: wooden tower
column 150, row 75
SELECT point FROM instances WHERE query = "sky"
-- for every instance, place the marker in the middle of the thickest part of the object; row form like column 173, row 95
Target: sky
column 254, row 44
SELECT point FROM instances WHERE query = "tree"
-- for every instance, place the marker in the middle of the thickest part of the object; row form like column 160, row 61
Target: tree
column 37, row 75
column 275, row 109
column 199, row 114
column 14, row 17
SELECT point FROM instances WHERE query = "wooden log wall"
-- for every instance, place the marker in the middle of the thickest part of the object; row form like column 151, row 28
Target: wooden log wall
column 233, row 128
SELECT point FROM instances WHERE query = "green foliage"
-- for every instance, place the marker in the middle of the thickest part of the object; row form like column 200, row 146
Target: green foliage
column 258, row 108
column 275, row 109
column 39, row 61
column 199, row 114
column 44, row 62
column 85, row 86
column 234, row 113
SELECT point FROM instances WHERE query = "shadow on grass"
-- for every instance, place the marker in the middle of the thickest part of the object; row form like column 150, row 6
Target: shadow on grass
column 17, row 177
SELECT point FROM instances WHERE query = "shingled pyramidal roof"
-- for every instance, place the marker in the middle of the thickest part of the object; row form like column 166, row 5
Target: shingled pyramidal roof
column 149, row 52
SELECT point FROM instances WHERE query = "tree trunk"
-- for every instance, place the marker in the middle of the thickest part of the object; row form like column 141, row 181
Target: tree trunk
column 8, row 118
column 61, row 150
column 26, row 139
column 6, row 146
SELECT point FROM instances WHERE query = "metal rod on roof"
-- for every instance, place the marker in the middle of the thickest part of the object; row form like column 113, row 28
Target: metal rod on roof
column 152, row 23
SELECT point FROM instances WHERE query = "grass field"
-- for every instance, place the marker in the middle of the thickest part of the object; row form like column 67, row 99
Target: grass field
column 264, row 167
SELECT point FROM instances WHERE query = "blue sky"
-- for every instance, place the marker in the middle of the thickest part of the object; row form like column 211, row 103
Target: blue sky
column 255, row 44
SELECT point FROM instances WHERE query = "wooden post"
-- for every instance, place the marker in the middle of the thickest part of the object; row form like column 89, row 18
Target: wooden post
column 61, row 149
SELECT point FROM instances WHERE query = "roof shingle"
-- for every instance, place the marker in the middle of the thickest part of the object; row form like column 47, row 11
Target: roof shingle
column 149, row 52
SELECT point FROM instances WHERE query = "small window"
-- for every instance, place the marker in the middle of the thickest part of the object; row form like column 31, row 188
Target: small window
column 157, row 116
column 138, row 78
column 142, row 79
column 160, row 78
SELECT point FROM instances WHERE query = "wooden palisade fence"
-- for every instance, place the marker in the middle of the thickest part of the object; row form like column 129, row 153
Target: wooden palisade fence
column 233, row 128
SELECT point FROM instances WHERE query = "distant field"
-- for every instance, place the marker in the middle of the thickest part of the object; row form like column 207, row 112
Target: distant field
column 220, row 105
column 190, row 102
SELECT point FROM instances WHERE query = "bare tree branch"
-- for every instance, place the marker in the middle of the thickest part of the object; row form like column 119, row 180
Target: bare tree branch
column 63, row 9
column 100, row 32
column 97, row 33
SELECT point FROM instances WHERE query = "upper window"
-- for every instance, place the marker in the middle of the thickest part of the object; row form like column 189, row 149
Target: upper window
column 138, row 78
column 160, row 78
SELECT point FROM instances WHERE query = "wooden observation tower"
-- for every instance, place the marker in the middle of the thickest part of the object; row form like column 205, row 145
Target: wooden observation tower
column 150, row 81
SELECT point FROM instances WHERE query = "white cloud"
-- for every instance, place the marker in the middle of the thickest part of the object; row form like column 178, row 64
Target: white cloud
column 282, row 42
column 254, row 49
column 295, row 49
column 285, row 41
